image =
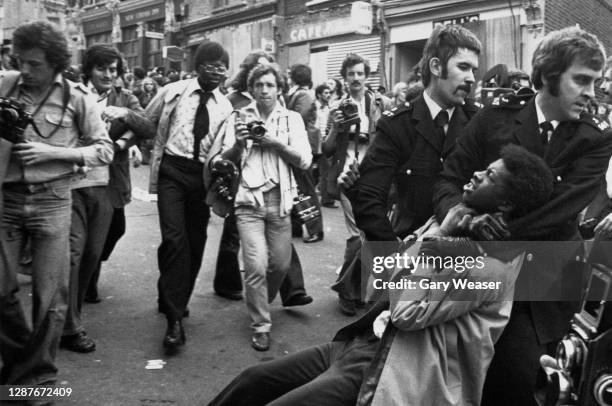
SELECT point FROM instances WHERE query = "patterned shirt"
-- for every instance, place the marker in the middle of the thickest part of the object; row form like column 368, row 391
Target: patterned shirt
column 180, row 141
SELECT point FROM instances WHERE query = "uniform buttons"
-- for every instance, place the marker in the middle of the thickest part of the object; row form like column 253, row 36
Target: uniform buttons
column 522, row 102
column 441, row 159
column 558, row 178
column 530, row 257
column 408, row 171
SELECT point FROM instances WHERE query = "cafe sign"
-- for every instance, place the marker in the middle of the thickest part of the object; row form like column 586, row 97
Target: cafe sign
column 358, row 21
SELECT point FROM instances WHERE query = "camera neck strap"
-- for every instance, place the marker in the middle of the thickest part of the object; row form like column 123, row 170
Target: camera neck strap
column 65, row 100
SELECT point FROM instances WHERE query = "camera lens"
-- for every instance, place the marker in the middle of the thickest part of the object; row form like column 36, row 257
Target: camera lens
column 8, row 116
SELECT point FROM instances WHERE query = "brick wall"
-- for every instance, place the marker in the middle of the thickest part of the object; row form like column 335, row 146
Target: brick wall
column 594, row 16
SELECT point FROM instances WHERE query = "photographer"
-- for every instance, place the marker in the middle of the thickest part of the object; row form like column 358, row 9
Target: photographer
column 267, row 141
column 348, row 136
column 66, row 135
column 577, row 147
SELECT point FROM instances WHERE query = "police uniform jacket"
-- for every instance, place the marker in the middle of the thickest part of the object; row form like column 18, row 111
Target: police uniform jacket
column 403, row 151
column 577, row 153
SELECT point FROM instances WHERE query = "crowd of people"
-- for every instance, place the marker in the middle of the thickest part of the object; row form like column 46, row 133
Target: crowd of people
column 267, row 150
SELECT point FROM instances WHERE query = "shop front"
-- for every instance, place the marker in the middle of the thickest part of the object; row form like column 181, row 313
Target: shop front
column 142, row 34
column 496, row 23
column 323, row 38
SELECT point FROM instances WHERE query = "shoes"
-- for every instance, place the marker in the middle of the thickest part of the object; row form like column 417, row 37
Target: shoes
column 347, row 306
column 175, row 335
column 261, row 341
column 79, row 342
column 298, row 300
column 313, row 238
column 91, row 298
column 229, row 295
column 330, row 205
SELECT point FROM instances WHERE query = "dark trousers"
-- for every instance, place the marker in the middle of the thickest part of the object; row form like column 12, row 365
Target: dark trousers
column 183, row 217
column 324, row 173
column 227, row 273
column 306, row 186
column 329, row 374
column 115, row 232
column 91, row 217
column 512, row 375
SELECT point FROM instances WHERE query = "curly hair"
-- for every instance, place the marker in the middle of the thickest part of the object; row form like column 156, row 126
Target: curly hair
column 558, row 50
column 46, row 36
column 210, row 51
column 530, row 183
column 443, row 43
column 239, row 84
column 352, row 60
column 101, row 55
column 320, row 89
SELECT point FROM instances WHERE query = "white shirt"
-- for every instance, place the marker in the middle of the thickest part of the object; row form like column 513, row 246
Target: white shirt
column 180, row 140
column 434, row 109
column 542, row 117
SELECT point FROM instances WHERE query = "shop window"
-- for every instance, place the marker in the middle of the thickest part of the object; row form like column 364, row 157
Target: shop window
column 129, row 46
column 101, row 38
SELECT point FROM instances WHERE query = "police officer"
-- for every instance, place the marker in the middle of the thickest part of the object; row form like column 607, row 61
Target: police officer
column 410, row 143
column 576, row 146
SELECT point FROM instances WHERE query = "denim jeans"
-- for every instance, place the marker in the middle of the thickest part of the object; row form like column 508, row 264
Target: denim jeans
column 266, row 248
column 92, row 213
column 28, row 353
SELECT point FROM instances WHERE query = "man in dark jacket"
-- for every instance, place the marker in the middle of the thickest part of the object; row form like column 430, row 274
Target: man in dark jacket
column 410, row 144
column 577, row 147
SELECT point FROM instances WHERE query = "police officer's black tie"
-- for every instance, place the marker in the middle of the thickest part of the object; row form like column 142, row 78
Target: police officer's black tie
column 200, row 124
column 439, row 122
column 546, row 131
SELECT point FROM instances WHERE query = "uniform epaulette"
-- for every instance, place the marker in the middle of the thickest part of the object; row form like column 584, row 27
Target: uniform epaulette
column 594, row 121
column 511, row 100
column 397, row 110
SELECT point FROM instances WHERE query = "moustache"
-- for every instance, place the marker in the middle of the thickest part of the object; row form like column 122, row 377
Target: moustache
column 465, row 88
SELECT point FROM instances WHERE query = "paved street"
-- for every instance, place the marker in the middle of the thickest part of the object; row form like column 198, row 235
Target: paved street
column 128, row 330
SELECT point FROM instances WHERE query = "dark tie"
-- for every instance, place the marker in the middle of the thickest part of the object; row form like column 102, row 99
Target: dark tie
column 546, row 131
column 200, row 124
column 439, row 122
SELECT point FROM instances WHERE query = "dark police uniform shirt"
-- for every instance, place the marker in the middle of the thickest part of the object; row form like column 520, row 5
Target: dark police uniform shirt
column 404, row 152
column 577, row 153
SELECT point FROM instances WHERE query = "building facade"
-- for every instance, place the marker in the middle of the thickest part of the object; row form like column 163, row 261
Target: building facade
column 16, row 12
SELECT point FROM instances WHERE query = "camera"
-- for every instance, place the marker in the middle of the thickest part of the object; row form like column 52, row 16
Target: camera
column 306, row 209
column 225, row 179
column 583, row 372
column 13, row 120
column 500, row 81
column 349, row 111
column 257, row 129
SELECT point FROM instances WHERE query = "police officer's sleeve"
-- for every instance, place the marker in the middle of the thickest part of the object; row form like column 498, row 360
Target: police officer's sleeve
column 377, row 170
column 458, row 168
column 572, row 192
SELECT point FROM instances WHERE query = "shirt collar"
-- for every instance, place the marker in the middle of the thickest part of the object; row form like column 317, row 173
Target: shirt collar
column 542, row 117
column 194, row 86
column 434, row 108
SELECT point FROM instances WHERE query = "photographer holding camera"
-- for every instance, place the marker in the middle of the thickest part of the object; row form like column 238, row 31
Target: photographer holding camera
column 267, row 142
column 352, row 123
column 65, row 135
